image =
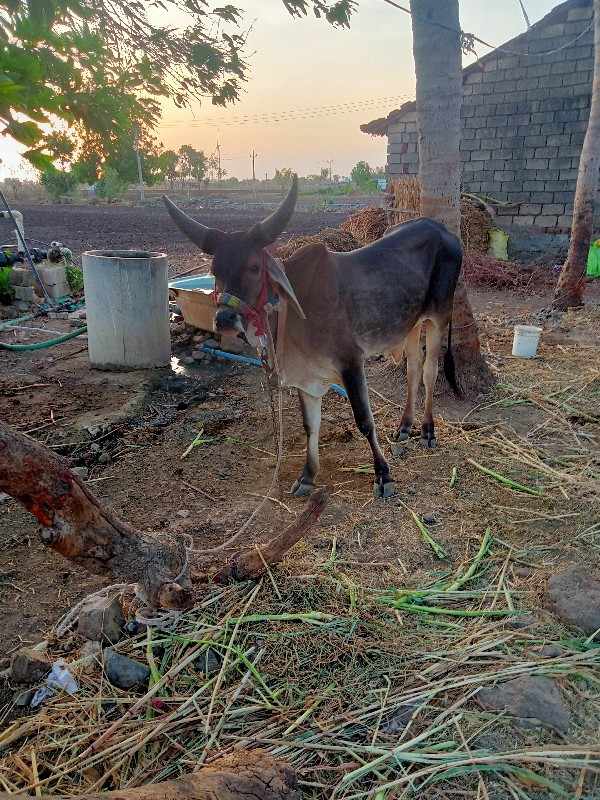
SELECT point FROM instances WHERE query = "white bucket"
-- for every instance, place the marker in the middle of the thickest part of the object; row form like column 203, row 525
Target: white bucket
column 526, row 340
column 127, row 306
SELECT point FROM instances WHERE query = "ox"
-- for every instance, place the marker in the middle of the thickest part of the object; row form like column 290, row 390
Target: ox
column 344, row 307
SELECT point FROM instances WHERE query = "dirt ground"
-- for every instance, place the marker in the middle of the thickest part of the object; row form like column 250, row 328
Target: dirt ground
column 131, row 429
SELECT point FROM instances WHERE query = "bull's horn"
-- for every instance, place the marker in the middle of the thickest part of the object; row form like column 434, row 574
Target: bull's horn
column 195, row 231
column 270, row 228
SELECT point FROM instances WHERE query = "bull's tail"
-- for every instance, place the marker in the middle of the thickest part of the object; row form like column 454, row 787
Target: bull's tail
column 450, row 366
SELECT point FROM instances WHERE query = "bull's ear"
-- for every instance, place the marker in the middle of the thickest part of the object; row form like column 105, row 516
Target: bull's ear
column 280, row 279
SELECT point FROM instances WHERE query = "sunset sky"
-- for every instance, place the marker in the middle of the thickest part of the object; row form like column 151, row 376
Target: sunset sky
column 310, row 86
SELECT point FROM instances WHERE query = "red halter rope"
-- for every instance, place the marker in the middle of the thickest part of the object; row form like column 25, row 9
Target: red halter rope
column 256, row 314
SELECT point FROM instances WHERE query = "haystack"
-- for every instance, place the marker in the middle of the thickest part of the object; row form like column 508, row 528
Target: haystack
column 339, row 241
column 366, row 225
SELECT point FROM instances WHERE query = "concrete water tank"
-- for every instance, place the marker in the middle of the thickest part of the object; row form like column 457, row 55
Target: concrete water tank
column 127, row 307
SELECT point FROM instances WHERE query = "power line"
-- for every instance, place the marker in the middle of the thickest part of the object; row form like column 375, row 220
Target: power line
column 300, row 113
column 525, row 14
column 473, row 38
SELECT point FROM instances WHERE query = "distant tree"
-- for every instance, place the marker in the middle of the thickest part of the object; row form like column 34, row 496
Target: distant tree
column 361, row 174
column 59, row 183
column 324, row 174
column 111, row 185
column 571, row 283
column 284, row 174
column 169, row 160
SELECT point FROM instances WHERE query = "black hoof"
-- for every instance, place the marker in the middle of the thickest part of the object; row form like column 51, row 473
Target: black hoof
column 302, row 489
column 402, row 436
column 428, row 443
column 383, row 490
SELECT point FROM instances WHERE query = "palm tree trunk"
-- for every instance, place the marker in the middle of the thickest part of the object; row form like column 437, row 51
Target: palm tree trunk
column 438, row 67
column 571, row 284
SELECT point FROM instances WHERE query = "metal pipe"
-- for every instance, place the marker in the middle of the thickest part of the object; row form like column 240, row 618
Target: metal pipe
column 25, row 248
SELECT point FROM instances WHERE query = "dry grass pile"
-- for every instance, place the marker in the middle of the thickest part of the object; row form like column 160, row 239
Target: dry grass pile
column 367, row 693
column 475, row 225
column 339, row 241
column 407, row 198
column 367, row 225
column 483, row 271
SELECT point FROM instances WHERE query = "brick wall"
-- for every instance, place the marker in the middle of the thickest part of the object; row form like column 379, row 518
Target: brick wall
column 523, row 120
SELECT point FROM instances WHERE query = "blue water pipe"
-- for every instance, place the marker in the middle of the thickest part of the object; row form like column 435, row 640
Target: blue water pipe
column 255, row 362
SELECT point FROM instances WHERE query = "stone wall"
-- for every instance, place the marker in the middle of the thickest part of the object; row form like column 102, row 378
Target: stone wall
column 524, row 118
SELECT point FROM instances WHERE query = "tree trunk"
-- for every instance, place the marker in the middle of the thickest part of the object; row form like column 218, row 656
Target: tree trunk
column 245, row 775
column 571, row 284
column 78, row 527
column 438, row 66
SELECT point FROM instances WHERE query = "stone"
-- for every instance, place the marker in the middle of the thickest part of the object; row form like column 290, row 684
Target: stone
column 25, row 293
column 183, row 512
column 198, row 355
column 209, row 662
column 76, row 323
column 212, row 343
column 345, row 415
column 187, row 360
column 23, row 698
column 574, row 595
column 123, row 672
column 233, row 344
column 28, row 666
column 400, row 718
column 397, row 450
column 534, row 700
column 95, row 447
column 82, row 472
column 90, row 656
column 429, row 519
column 552, row 650
column 101, row 620
column 22, row 306
column 82, row 315
column 104, row 458
column 4, row 498
column 523, row 621
column 224, row 473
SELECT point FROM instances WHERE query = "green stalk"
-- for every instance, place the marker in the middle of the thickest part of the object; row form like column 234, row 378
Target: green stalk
column 505, row 481
column 453, row 612
column 437, row 548
column 453, row 478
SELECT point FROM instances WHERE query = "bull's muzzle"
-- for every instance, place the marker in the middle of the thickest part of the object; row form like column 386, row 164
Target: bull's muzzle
column 228, row 321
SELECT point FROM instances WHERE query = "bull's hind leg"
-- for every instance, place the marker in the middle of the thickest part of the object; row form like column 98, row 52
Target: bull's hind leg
column 414, row 373
column 311, row 418
column 355, row 383
column 434, row 337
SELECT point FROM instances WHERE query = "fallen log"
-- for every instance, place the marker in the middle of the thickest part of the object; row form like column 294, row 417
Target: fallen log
column 249, row 564
column 76, row 525
column 246, row 775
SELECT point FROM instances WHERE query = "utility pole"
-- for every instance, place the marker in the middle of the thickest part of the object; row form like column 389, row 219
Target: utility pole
column 136, row 144
column 253, row 157
column 218, row 162
column 330, row 162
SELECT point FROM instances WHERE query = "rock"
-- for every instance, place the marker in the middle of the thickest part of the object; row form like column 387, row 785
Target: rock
column 82, row 315
column 524, row 621
column 104, row 458
column 123, row 672
column 400, row 718
column 331, row 420
column 209, row 662
column 76, row 323
column 199, row 337
column 212, row 343
column 533, row 699
column 429, row 519
column 101, row 620
column 94, row 431
column 345, row 415
column 95, row 447
column 575, row 596
column 198, row 355
column 552, row 650
column 233, row 344
column 23, row 697
column 4, row 498
column 183, row 512
column 224, row 473
column 28, row 666
column 523, row 572
column 397, row 450
column 187, row 360
column 90, row 655
column 82, row 472
column 411, row 490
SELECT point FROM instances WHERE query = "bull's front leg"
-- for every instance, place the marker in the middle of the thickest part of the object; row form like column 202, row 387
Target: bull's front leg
column 311, row 419
column 355, row 383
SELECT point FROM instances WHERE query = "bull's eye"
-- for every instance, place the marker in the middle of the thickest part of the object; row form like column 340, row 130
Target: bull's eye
column 255, row 269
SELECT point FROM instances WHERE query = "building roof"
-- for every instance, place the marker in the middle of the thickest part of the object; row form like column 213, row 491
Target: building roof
column 379, row 127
